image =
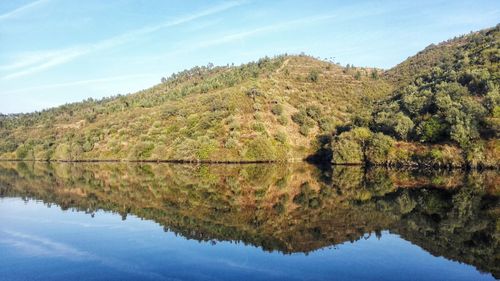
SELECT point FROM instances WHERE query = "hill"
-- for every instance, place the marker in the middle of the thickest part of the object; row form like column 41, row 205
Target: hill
column 444, row 110
column 437, row 108
column 272, row 109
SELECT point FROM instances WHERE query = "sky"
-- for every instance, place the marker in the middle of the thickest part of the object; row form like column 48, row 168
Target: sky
column 57, row 51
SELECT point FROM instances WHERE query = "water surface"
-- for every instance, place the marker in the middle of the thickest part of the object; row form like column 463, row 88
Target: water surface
column 245, row 222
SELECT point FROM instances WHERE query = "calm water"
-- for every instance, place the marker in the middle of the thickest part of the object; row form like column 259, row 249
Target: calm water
column 245, row 222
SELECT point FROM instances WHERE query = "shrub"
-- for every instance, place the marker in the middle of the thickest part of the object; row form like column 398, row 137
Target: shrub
column 141, row 150
column 327, row 124
column 87, row 146
column 259, row 127
column 260, row 148
column 398, row 125
column 304, row 130
column 22, row 151
column 253, row 93
column 302, row 119
column 283, row 120
column 496, row 112
column 206, row 147
column 462, row 132
column 313, row 76
column 257, row 106
column 281, row 137
column 314, row 112
column 277, row 109
column 234, row 124
column 90, row 117
column 231, row 143
column 62, row 152
column 492, row 99
column 357, row 76
column 299, row 118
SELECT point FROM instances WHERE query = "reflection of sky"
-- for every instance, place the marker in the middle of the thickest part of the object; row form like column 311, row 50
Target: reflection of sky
column 37, row 241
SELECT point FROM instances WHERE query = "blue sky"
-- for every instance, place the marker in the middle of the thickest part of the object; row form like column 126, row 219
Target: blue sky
column 58, row 51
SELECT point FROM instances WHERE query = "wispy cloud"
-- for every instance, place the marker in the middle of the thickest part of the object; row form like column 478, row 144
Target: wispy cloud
column 333, row 17
column 336, row 17
column 31, row 63
column 264, row 30
column 80, row 83
column 187, row 47
column 35, row 62
column 21, row 10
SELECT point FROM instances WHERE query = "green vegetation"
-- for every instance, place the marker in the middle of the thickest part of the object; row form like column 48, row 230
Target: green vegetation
column 276, row 109
column 448, row 95
column 226, row 113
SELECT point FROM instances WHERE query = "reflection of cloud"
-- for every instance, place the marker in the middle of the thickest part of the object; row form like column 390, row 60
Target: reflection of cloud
column 243, row 265
column 37, row 246
column 33, row 245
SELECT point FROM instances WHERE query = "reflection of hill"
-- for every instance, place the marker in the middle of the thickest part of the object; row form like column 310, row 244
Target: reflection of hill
column 293, row 208
column 461, row 225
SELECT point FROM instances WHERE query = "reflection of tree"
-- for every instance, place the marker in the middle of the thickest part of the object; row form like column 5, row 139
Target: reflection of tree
column 459, row 224
column 289, row 208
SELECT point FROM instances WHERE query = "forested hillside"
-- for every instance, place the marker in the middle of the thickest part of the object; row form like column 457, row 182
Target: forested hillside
column 437, row 108
column 272, row 109
column 444, row 110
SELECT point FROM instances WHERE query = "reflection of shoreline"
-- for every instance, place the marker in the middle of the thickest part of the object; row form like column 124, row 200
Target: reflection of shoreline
column 305, row 161
column 286, row 208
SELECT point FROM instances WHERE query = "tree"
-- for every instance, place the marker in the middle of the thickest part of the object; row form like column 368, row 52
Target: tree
column 350, row 147
column 431, row 130
column 378, row 148
column 347, row 151
column 402, row 126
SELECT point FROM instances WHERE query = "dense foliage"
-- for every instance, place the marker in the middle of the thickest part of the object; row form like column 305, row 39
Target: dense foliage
column 225, row 113
column 447, row 94
column 457, row 99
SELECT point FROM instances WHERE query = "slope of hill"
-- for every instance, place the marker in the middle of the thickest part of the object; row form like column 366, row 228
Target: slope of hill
column 272, row 109
column 440, row 107
column 446, row 102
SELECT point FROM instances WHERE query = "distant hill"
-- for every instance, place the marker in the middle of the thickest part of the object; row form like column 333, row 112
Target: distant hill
column 288, row 108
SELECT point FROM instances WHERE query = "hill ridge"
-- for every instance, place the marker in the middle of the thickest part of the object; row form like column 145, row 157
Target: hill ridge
column 284, row 108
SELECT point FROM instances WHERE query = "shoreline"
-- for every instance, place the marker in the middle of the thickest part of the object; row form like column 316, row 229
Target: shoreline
column 413, row 165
